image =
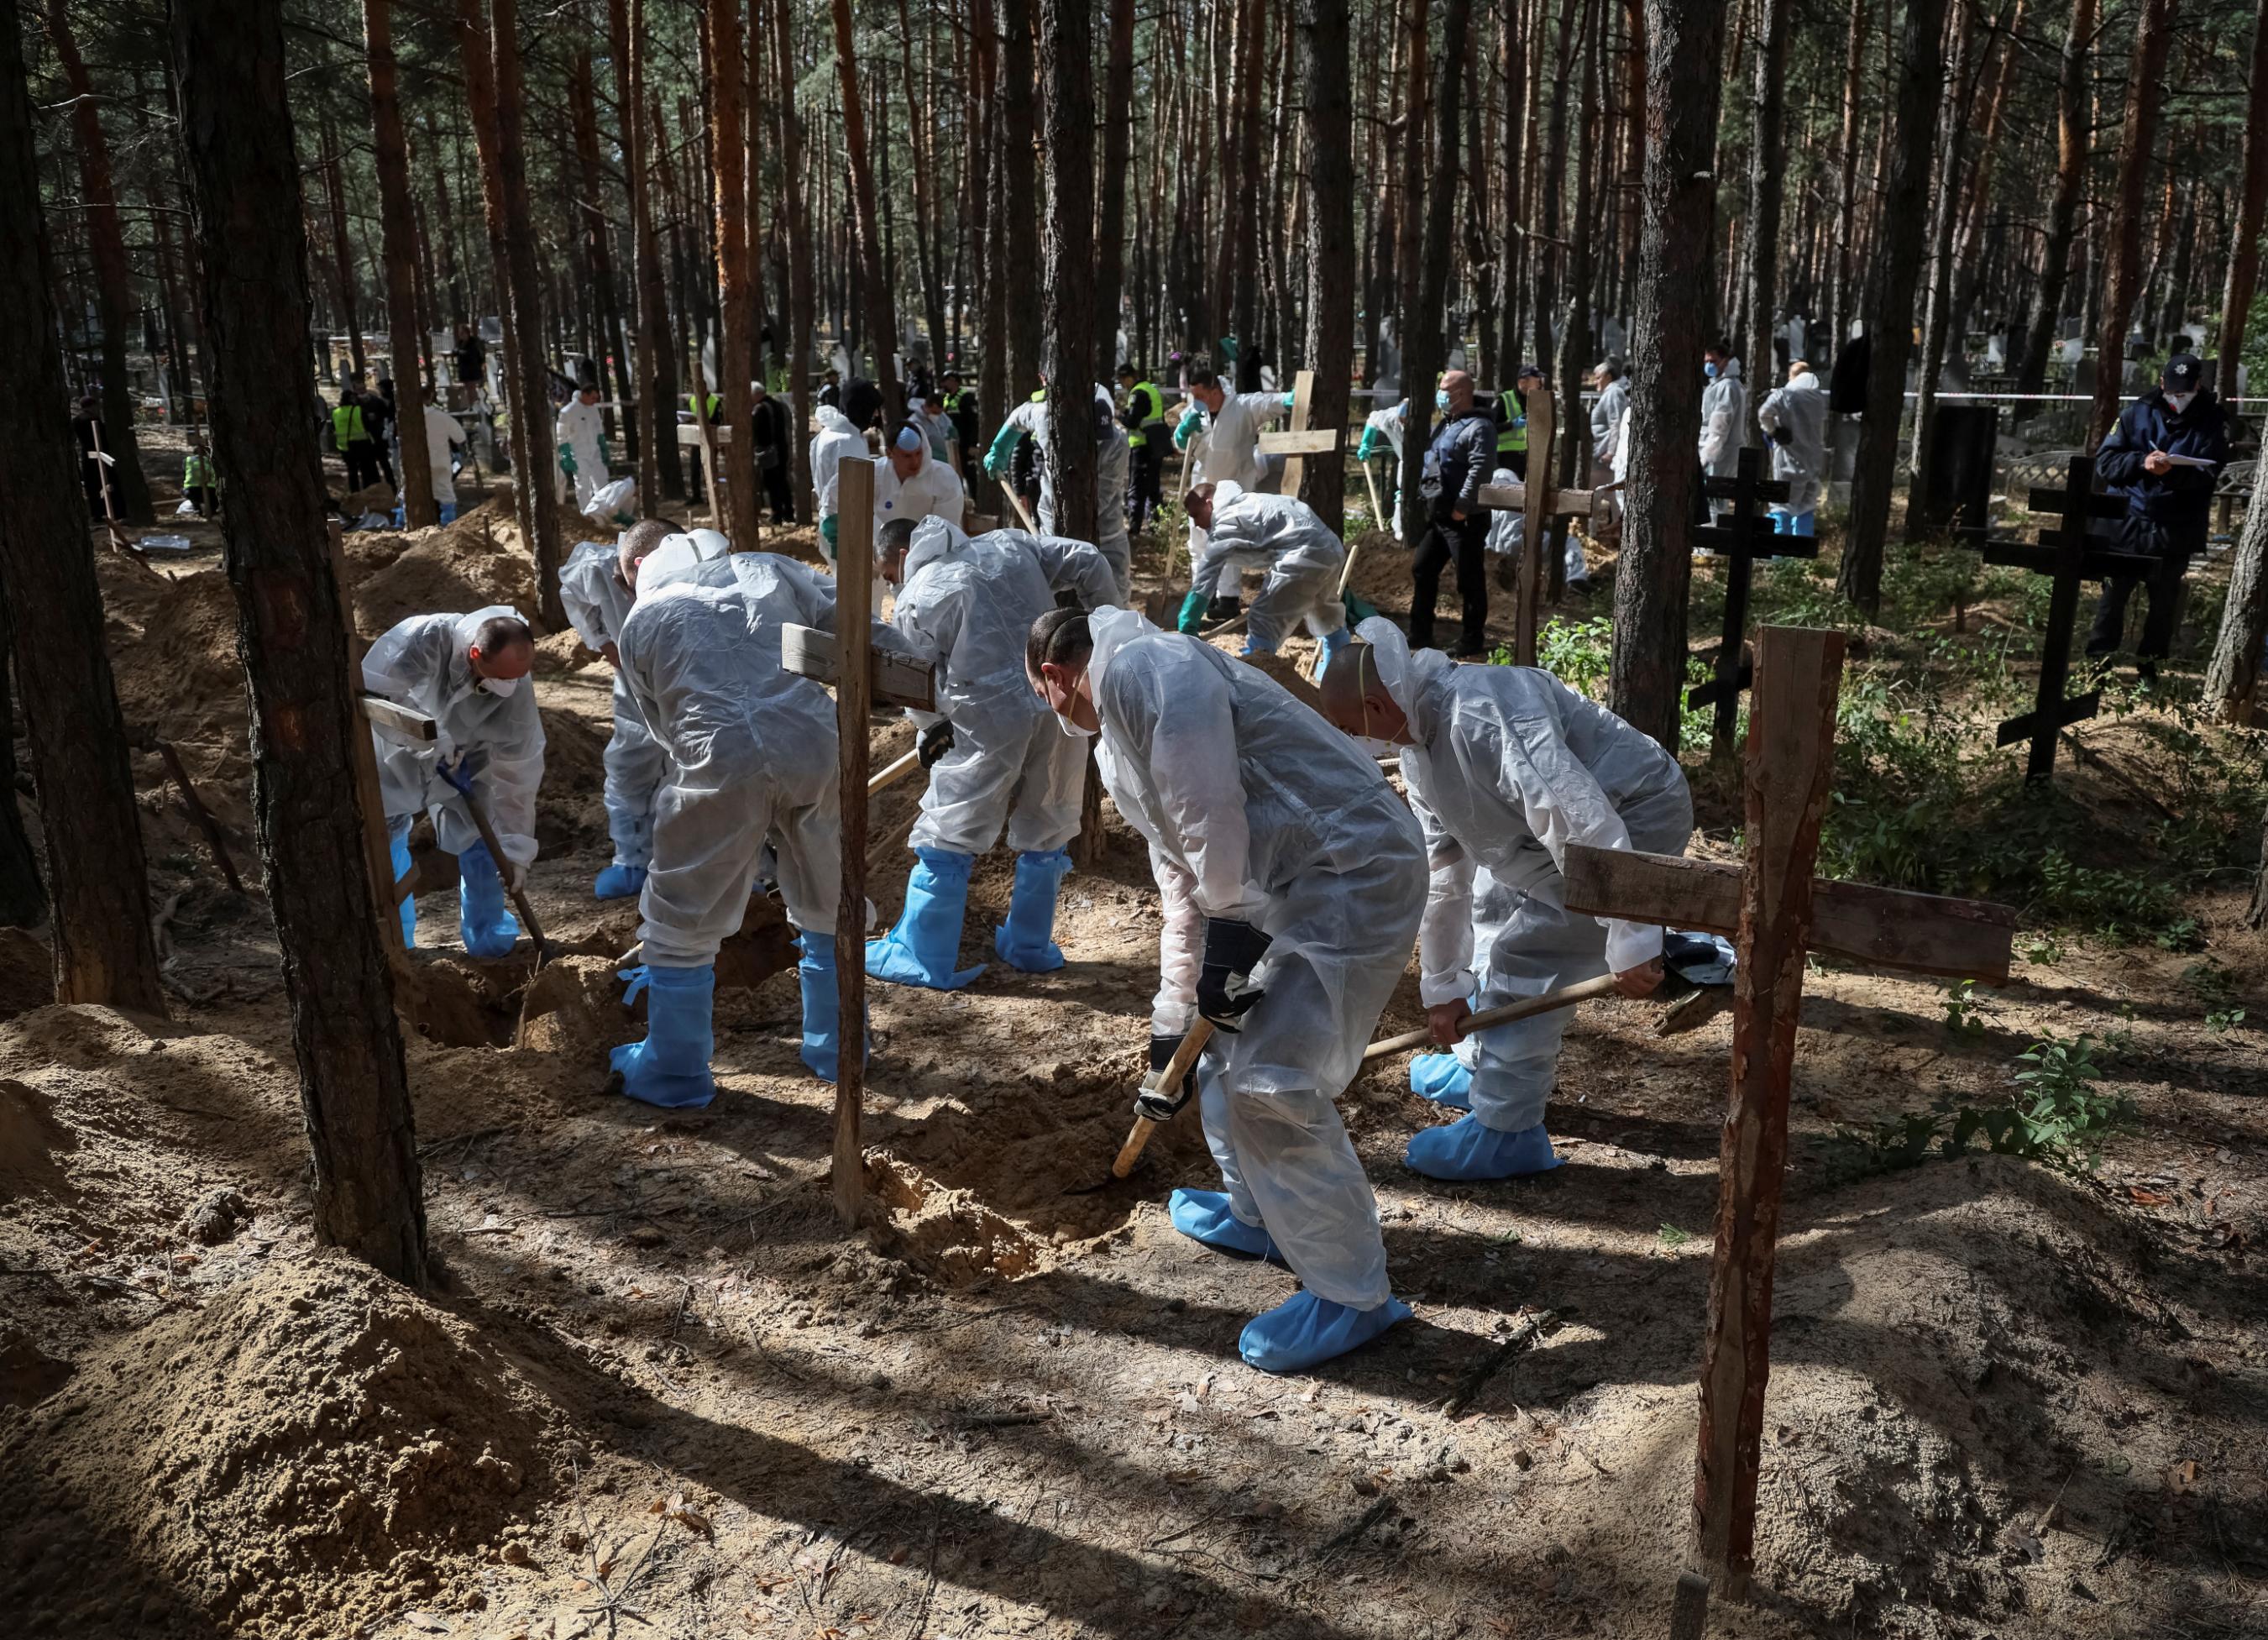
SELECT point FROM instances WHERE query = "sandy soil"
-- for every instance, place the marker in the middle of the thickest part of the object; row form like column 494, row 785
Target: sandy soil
column 662, row 1393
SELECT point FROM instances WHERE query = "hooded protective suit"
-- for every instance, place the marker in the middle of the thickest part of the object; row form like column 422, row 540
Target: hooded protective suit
column 1256, row 810
column 968, row 606
column 1507, row 529
column 1282, row 536
column 1607, row 420
column 1510, row 766
column 1114, row 457
column 838, row 436
column 1794, row 417
column 597, row 602
column 933, row 492
column 1388, row 427
column 1228, row 450
column 581, row 433
column 1724, row 407
column 751, row 747
column 422, row 663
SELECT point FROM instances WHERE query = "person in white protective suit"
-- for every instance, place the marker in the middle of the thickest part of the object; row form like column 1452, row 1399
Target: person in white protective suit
column 1723, row 408
column 913, row 483
column 444, row 433
column 842, row 433
column 1280, row 535
column 1292, row 879
column 597, row 599
column 1505, row 767
column 468, row 673
column 994, row 753
column 1113, row 462
column 1794, row 418
column 752, row 759
column 1386, row 429
column 1221, row 432
column 581, row 436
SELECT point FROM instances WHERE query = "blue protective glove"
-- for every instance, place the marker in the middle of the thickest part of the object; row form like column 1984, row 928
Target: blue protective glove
column 457, row 775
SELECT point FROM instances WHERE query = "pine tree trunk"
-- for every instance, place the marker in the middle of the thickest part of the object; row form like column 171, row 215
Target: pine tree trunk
column 2072, row 130
column 925, row 197
column 658, row 471
column 398, row 226
column 295, row 628
column 22, row 896
column 1415, row 323
column 1327, row 110
column 114, row 295
column 91, row 827
column 1117, row 146
column 1889, row 318
column 1066, row 33
column 598, row 240
column 1574, row 451
column 2138, row 140
column 1971, row 252
column 2244, row 255
column 880, row 314
column 334, row 193
column 2233, row 675
column 1767, row 174
column 1952, row 142
column 1544, row 289
column 801, row 298
column 1669, row 311
column 729, row 148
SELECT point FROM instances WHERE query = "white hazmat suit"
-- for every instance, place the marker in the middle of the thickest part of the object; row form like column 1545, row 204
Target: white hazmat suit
column 837, row 437
column 968, row 605
column 1509, row 766
column 1113, row 461
column 1795, row 419
column 1282, row 536
column 581, row 434
column 933, row 492
column 597, row 603
column 1257, row 812
column 443, row 433
column 1724, row 407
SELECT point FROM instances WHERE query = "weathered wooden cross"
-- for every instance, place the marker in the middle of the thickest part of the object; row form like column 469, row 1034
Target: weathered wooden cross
column 1301, row 441
column 1747, row 538
column 2068, row 554
column 861, row 674
column 1776, row 911
column 1540, row 501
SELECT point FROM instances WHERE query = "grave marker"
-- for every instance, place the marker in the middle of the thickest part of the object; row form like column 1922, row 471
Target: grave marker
column 1748, row 537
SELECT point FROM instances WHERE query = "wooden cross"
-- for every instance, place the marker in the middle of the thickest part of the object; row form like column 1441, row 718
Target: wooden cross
column 1539, row 501
column 2068, row 555
column 1777, row 912
column 1301, row 441
column 1748, row 537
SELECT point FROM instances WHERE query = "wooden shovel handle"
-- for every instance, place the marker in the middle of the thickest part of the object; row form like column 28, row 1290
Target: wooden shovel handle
column 1527, row 1007
column 1176, row 1068
column 893, row 771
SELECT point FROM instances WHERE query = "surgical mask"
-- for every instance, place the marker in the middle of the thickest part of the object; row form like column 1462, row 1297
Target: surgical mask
column 1709, row 370
column 1073, row 729
column 501, row 685
column 1376, row 750
column 1440, row 399
column 2179, row 400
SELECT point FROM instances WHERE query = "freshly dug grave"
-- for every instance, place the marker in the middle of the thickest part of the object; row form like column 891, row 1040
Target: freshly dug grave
column 307, row 1447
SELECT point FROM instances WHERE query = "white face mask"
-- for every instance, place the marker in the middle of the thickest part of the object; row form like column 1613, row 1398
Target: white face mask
column 2179, row 400
column 1073, row 729
column 501, row 685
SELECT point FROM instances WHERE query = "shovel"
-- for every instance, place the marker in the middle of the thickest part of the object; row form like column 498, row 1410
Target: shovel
column 1526, row 1008
column 518, row 896
column 1153, row 1096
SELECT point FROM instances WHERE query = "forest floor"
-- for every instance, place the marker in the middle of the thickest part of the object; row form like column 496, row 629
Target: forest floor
column 660, row 1393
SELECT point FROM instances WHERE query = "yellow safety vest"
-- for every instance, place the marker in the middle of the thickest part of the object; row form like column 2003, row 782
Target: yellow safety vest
column 346, row 426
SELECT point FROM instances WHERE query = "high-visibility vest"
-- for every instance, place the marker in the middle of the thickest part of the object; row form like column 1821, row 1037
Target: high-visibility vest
column 694, row 405
column 346, row 426
column 1511, row 437
column 1149, row 406
column 196, row 473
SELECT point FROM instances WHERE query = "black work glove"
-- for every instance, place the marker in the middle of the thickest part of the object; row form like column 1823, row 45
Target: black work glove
column 1162, row 1104
column 934, row 743
column 1226, row 993
column 1782, row 436
column 1225, row 607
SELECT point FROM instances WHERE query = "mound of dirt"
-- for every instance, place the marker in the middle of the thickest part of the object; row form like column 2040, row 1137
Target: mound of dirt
column 310, row 1445
column 475, row 562
column 173, row 649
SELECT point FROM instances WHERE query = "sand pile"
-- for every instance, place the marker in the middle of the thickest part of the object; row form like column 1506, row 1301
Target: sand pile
column 478, row 561
column 308, row 1447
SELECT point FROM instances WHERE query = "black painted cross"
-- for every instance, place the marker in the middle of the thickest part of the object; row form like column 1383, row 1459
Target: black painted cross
column 2066, row 554
column 1778, row 912
column 1739, row 543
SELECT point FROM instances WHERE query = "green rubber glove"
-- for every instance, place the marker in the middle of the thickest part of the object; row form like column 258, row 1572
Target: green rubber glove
column 1287, row 401
column 1371, row 440
column 1192, row 420
column 1192, row 615
column 828, row 527
column 1003, row 449
column 567, row 459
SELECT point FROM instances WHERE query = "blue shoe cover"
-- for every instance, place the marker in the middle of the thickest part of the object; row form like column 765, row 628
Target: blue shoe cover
column 1306, row 1331
column 619, row 882
column 1204, row 1216
column 1466, row 1149
column 487, row 929
column 1443, row 1078
column 671, row 1067
column 921, row 949
column 822, row 1007
column 397, row 849
column 1026, row 940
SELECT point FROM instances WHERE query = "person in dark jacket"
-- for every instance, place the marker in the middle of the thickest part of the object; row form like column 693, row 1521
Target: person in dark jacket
column 2165, row 455
column 90, row 435
column 774, row 453
column 1458, row 462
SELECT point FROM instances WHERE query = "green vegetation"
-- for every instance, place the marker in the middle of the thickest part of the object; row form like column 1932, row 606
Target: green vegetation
column 2059, row 1115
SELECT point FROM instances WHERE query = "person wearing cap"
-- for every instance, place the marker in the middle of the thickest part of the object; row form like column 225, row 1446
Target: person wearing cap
column 913, row 483
column 1512, row 421
column 1505, row 767
column 2165, row 457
